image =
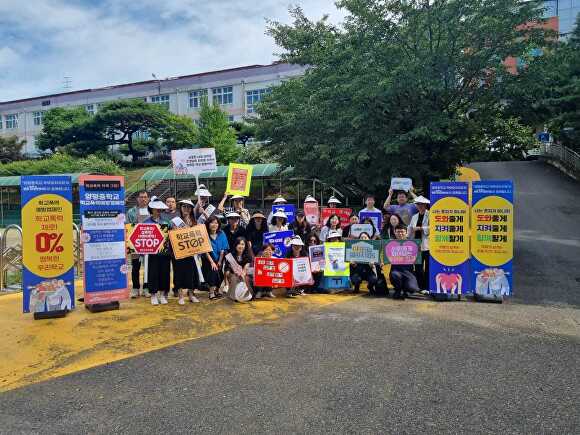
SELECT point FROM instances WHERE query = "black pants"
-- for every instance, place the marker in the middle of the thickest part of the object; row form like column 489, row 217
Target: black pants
column 403, row 280
column 135, row 269
column 158, row 269
column 422, row 271
column 357, row 279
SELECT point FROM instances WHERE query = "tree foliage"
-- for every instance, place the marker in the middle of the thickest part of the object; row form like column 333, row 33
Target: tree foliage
column 59, row 126
column 215, row 132
column 244, row 131
column 59, row 163
column 11, row 149
column 387, row 93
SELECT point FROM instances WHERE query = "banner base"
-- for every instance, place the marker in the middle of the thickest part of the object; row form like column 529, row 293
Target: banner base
column 50, row 314
column 444, row 297
column 488, row 299
column 99, row 308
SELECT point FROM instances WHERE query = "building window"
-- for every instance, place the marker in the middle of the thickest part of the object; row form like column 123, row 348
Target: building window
column 11, row 121
column 196, row 97
column 230, row 118
column 254, row 97
column 90, row 108
column 223, row 95
column 46, row 103
column 37, row 118
column 162, row 100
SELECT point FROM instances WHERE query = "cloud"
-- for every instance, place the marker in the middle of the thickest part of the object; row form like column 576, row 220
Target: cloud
column 119, row 41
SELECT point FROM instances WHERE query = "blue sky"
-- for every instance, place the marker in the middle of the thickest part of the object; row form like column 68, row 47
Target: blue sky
column 102, row 43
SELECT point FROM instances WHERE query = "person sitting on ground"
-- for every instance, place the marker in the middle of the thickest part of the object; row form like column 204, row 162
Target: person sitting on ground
column 296, row 251
column 402, row 208
column 313, row 240
column 360, row 272
column 237, row 272
column 401, row 276
column 259, row 292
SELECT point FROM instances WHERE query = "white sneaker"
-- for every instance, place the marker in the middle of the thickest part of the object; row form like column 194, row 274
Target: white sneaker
column 181, row 301
column 134, row 293
column 193, row 299
column 271, row 295
column 146, row 293
column 154, row 300
column 162, row 299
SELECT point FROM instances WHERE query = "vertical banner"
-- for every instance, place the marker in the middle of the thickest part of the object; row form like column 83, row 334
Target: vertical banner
column 239, row 179
column 102, row 208
column 449, row 238
column 492, row 238
column 47, row 244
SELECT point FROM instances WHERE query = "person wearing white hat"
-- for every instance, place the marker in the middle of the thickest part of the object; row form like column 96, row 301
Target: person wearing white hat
column 158, row 265
column 419, row 229
column 297, row 250
column 334, row 236
column 186, row 271
column 278, row 222
column 203, row 197
column 278, row 201
column 233, row 229
column 333, row 201
column 309, row 198
column 237, row 206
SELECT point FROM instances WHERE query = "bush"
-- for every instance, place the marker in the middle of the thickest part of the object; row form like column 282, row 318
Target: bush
column 62, row 164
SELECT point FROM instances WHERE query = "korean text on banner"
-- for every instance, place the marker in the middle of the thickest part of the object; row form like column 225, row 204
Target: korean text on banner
column 193, row 161
column 280, row 240
column 288, row 209
column 375, row 216
column 312, row 213
column 102, row 209
column 342, row 213
column 47, row 244
column 357, row 229
column 335, row 264
column 239, row 179
column 404, row 184
column 492, row 238
column 402, row 252
column 301, row 272
column 363, row 251
column 317, row 260
column 187, row 242
column 449, row 238
column 147, row 239
column 272, row 272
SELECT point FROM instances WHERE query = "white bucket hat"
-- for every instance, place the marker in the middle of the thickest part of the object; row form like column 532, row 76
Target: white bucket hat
column 187, row 202
column 333, row 234
column 422, row 200
column 279, row 200
column 202, row 191
column 296, row 241
column 309, row 198
column 333, row 200
column 237, row 197
column 233, row 214
column 157, row 204
column 281, row 214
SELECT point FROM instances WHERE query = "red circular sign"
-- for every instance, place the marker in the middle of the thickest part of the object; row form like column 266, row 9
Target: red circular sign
column 146, row 239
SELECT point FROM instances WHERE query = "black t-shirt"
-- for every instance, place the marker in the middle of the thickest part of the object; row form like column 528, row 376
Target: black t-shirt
column 419, row 224
column 232, row 236
column 242, row 261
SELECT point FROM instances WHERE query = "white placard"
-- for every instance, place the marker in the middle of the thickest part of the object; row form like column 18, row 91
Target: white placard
column 193, row 161
column 401, row 184
column 301, row 273
column 104, row 251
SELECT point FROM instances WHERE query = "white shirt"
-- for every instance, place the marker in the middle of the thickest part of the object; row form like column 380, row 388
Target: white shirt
column 424, row 232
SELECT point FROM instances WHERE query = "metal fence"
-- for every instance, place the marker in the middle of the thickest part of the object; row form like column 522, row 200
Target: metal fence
column 569, row 158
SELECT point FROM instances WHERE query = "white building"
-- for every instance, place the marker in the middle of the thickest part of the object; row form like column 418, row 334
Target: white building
column 237, row 90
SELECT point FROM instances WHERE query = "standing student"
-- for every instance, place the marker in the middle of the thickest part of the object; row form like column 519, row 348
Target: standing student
column 137, row 214
column 255, row 233
column 204, row 196
column 233, row 230
column 300, row 226
column 279, row 222
column 266, row 252
column 332, row 224
column 419, row 229
column 333, row 202
column 236, row 275
column 186, row 277
column 402, row 276
column 158, row 265
column 402, row 208
column 213, row 261
column 296, row 251
column 370, row 204
column 353, row 220
column 393, row 222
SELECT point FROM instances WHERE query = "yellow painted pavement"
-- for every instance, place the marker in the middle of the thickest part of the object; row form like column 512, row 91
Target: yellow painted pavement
column 37, row 350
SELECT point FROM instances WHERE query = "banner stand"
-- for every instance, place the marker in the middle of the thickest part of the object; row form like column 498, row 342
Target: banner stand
column 43, row 315
column 99, row 308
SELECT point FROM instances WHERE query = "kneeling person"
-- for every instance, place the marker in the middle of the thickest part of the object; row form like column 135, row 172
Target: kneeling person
column 401, row 275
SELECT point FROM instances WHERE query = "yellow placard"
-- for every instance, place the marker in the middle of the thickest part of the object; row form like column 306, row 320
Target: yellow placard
column 492, row 223
column 186, row 242
column 448, row 231
column 47, row 235
column 335, row 263
column 239, row 179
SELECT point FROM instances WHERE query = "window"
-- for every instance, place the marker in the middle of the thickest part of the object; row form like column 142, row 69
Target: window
column 162, row 100
column 90, row 108
column 230, row 118
column 224, row 95
column 11, row 121
column 46, row 103
column 196, row 97
column 253, row 97
column 37, row 117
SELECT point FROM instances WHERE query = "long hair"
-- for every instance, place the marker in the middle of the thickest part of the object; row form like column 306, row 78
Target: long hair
column 210, row 220
column 246, row 257
column 191, row 214
column 330, row 218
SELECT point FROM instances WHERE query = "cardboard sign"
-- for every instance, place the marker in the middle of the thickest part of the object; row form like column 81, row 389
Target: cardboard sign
column 186, row 242
column 335, row 264
column 47, row 243
column 357, row 229
column 363, row 251
column 402, row 252
column 289, row 209
column 312, row 213
column 375, row 216
column 404, row 184
column 239, row 179
column 102, row 209
column 272, row 272
column 280, row 240
column 342, row 213
column 193, row 161
column 317, row 260
column 301, row 272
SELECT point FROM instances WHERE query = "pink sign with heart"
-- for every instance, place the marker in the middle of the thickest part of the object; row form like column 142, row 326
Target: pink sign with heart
column 401, row 252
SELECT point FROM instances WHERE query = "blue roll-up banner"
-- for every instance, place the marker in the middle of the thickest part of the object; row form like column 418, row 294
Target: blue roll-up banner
column 449, row 238
column 102, row 200
column 47, row 244
column 492, row 238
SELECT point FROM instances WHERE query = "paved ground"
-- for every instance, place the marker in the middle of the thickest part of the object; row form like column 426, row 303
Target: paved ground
column 365, row 365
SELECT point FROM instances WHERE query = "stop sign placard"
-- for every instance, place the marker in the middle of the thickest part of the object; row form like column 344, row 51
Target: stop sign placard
column 147, row 238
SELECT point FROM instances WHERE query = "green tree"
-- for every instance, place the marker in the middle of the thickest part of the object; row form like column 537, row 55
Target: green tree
column 59, row 125
column 11, row 149
column 178, row 132
column 244, row 131
column 388, row 92
column 215, row 132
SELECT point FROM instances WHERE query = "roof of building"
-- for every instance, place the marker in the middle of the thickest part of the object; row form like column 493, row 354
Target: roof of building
column 259, row 171
column 14, row 180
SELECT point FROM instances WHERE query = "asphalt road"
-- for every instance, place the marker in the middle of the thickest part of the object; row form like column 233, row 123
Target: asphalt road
column 363, row 366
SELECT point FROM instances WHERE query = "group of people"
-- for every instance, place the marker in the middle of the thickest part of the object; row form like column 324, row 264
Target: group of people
column 237, row 237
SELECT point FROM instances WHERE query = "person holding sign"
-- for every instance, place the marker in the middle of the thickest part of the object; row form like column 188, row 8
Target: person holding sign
column 297, row 250
column 135, row 215
column 236, row 268
column 237, row 207
column 186, row 274
column 401, row 275
column 213, row 261
column 372, row 273
column 233, row 230
column 267, row 251
column 374, row 235
column 332, row 224
column 353, row 220
column 158, row 265
column 419, row 229
column 402, row 208
column 317, row 274
column 203, row 207
column 279, row 222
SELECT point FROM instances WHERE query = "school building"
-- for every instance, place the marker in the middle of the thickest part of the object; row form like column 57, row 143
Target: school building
column 236, row 90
